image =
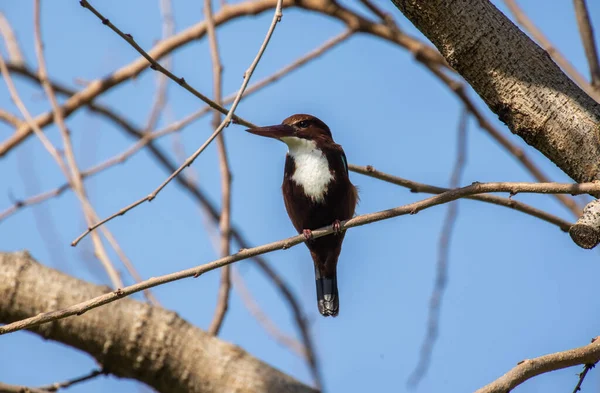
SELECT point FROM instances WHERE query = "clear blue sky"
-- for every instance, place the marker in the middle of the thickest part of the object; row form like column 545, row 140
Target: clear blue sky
column 518, row 287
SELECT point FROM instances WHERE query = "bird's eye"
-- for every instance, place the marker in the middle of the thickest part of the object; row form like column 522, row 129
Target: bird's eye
column 302, row 124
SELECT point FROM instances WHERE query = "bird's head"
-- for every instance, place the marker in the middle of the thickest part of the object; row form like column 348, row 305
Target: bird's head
column 297, row 129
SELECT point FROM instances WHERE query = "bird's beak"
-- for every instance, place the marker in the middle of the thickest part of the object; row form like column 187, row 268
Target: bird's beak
column 278, row 131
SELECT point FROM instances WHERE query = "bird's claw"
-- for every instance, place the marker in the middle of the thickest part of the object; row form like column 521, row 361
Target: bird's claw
column 337, row 227
column 307, row 234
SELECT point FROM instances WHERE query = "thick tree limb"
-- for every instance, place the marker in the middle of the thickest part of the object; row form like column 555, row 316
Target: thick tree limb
column 530, row 368
column 132, row 339
column 516, row 79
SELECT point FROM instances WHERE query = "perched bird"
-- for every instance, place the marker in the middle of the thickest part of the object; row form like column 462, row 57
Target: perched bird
column 317, row 192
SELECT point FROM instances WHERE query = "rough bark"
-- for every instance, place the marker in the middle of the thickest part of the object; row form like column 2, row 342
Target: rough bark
column 132, row 339
column 516, row 78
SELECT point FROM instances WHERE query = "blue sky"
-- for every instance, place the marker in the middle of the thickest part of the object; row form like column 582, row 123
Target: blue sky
column 518, row 287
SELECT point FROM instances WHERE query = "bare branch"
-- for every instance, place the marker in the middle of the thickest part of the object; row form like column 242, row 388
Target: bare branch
column 224, row 123
column 160, row 98
column 441, row 279
column 589, row 43
column 412, row 208
column 97, row 87
column 10, row 119
column 225, row 220
column 582, row 375
column 100, row 251
column 493, row 199
column 15, row 55
column 530, row 368
column 73, row 176
column 156, row 66
column 70, row 382
column 385, row 17
column 5, row 388
column 263, row 319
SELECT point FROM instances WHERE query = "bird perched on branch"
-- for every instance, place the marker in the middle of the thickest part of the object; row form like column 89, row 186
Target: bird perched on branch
column 317, row 192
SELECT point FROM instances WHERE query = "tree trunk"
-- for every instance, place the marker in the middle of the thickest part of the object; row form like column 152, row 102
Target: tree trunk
column 132, row 339
column 516, row 78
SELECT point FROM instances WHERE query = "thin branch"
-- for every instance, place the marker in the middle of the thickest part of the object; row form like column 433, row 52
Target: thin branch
column 589, row 43
column 100, row 252
column 412, row 208
column 493, row 199
column 71, row 170
column 157, row 67
column 263, row 319
column 10, row 119
column 530, row 368
column 145, row 139
column 225, row 220
column 545, row 43
column 423, row 52
column 15, row 55
column 385, row 17
column 160, row 98
column 247, row 75
column 441, row 279
column 582, row 375
column 70, row 382
column 5, row 388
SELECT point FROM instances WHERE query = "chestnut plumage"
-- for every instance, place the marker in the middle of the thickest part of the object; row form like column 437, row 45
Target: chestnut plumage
column 317, row 192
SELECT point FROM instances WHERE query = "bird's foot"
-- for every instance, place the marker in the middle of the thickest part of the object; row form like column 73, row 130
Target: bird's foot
column 337, row 227
column 307, row 234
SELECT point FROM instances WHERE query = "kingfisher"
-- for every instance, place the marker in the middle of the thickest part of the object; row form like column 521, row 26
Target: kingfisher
column 317, row 192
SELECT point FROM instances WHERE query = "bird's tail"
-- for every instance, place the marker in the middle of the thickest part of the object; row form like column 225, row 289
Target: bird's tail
column 327, row 294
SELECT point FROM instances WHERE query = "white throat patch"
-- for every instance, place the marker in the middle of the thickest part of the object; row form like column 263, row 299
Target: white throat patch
column 312, row 169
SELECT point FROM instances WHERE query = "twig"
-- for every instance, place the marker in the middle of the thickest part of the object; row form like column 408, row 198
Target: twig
column 15, row 55
column 43, row 218
column 157, row 67
column 247, row 75
column 10, row 119
column 589, row 43
column 263, row 319
column 545, row 43
column 178, row 125
column 70, row 382
column 100, row 252
column 423, row 52
column 441, row 279
column 582, row 375
column 160, row 98
column 145, row 139
column 225, row 220
column 412, row 208
column 530, row 368
column 493, row 199
column 5, row 388
column 73, row 176
column 385, row 17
